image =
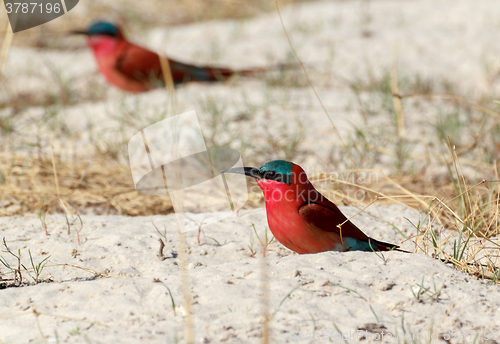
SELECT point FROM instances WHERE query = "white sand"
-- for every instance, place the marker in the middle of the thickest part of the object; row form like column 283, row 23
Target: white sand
column 113, row 297
column 128, row 306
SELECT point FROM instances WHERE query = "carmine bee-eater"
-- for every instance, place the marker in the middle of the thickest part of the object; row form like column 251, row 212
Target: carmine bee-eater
column 136, row 69
column 300, row 217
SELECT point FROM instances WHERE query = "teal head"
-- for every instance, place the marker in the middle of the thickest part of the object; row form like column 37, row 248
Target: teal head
column 280, row 171
column 101, row 28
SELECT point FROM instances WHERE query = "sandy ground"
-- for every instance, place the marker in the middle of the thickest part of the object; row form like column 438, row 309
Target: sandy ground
column 112, row 287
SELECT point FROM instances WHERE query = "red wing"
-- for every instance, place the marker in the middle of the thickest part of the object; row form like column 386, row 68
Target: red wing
column 327, row 216
column 138, row 63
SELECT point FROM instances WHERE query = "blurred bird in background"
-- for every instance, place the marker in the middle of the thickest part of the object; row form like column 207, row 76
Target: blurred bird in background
column 135, row 69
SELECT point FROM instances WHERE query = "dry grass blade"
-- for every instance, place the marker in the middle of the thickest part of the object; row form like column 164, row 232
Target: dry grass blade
column 7, row 41
column 167, row 74
column 398, row 107
column 58, row 193
column 264, row 300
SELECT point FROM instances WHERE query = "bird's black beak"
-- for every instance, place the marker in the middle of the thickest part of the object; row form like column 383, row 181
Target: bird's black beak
column 247, row 171
column 78, row 32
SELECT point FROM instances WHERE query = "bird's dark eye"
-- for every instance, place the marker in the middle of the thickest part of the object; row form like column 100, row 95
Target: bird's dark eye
column 271, row 174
